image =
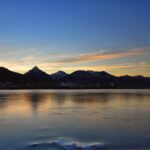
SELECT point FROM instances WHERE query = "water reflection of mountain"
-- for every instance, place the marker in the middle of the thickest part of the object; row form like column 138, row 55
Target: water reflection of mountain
column 37, row 101
column 3, row 101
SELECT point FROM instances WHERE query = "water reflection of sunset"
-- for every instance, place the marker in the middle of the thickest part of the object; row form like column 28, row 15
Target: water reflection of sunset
column 27, row 102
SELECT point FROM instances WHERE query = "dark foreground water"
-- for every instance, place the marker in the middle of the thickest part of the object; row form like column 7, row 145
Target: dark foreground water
column 75, row 120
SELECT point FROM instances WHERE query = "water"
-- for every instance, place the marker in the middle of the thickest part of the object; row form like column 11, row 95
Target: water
column 75, row 120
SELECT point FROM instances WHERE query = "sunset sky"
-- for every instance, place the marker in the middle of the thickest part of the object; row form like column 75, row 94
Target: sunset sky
column 110, row 35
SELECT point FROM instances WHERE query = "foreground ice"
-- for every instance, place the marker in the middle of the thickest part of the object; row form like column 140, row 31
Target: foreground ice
column 68, row 144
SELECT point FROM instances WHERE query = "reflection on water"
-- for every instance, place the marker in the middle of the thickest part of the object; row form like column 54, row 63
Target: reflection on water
column 89, row 119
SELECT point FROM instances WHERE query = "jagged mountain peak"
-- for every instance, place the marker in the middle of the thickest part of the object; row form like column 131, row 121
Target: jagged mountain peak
column 35, row 68
column 37, row 73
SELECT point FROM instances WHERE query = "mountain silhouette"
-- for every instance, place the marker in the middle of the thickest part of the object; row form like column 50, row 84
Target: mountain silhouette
column 8, row 75
column 36, row 73
column 59, row 75
column 80, row 79
column 91, row 74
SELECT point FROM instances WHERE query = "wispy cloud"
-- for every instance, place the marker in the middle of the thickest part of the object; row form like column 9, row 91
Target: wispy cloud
column 105, row 56
column 109, row 67
column 33, row 55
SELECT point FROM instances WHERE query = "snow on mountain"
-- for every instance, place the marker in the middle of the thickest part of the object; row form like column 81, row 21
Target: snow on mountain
column 58, row 75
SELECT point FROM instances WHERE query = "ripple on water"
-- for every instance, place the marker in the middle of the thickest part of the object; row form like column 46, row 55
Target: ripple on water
column 67, row 144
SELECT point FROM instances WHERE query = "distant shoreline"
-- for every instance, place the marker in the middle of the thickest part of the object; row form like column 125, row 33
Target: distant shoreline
column 80, row 79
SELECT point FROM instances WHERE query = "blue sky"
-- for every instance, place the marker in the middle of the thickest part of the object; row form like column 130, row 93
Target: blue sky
column 50, row 33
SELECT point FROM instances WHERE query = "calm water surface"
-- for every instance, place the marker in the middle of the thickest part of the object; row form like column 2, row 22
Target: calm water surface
column 75, row 119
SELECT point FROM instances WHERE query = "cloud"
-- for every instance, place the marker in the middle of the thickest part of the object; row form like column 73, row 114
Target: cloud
column 102, row 67
column 33, row 55
column 106, row 55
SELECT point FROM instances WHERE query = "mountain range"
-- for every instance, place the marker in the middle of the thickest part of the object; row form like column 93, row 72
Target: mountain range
column 80, row 79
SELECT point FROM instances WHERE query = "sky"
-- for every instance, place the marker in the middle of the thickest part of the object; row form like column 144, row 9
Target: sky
column 69, row 35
